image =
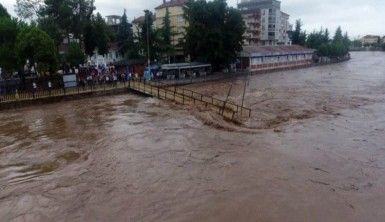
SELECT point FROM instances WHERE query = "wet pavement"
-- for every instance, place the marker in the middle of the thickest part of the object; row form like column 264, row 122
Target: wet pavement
column 314, row 150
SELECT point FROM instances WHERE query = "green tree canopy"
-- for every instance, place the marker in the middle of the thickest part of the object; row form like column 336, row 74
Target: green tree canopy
column 75, row 55
column 338, row 38
column 125, row 36
column 90, row 42
column 166, row 35
column 149, row 39
column 101, row 37
column 68, row 16
column 299, row 36
column 9, row 29
column 4, row 12
column 36, row 46
column 215, row 32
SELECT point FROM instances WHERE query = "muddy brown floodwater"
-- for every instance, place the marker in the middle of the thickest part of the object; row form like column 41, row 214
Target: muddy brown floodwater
column 314, row 150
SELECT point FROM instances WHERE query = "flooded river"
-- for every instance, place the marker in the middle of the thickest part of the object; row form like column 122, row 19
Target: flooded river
column 314, row 150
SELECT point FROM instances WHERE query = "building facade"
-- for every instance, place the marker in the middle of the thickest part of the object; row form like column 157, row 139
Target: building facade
column 265, row 58
column 370, row 40
column 265, row 23
column 177, row 21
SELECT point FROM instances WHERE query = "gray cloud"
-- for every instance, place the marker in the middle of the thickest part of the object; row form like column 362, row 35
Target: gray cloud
column 357, row 17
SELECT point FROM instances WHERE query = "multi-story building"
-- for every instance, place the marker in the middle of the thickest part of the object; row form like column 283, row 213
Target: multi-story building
column 265, row 23
column 177, row 21
column 370, row 40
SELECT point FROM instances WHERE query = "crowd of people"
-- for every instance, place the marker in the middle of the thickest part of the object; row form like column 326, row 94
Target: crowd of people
column 103, row 75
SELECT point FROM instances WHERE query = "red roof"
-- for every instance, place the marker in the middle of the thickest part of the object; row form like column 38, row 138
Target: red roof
column 172, row 3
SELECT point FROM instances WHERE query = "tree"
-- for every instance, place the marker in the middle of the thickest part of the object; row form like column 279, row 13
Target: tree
column 69, row 16
column 82, row 14
column 338, row 38
column 149, row 39
column 346, row 41
column 28, row 9
column 299, row 37
column 4, row 12
column 101, row 31
column 326, row 36
column 166, row 34
column 125, row 35
column 36, row 46
column 52, row 29
column 90, row 42
column 75, row 55
column 215, row 32
column 9, row 29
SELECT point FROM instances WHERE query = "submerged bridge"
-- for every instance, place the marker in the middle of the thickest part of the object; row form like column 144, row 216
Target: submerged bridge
column 184, row 96
column 159, row 90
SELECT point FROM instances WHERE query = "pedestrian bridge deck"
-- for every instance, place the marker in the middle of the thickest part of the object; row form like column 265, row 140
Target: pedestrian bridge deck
column 184, row 96
column 160, row 90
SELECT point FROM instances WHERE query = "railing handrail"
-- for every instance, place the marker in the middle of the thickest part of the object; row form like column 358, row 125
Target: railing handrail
column 224, row 104
column 200, row 94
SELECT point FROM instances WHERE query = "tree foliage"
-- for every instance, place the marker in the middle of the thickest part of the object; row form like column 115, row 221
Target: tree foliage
column 36, row 46
column 338, row 38
column 336, row 47
column 166, row 37
column 149, row 39
column 316, row 39
column 299, row 36
column 9, row 29
column 68, row 16
column 75, row 55
column 4, row 12
column 101, row 37
column 125, row 37
column 215, row 32
column 28, row 9
column 90, row 42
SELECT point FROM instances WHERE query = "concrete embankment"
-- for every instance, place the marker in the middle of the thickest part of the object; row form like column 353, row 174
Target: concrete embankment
column 59, row 98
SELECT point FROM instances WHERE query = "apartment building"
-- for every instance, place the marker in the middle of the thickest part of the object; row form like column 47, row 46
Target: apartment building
column 265, row 23
column 370, row 40
column 177, row 20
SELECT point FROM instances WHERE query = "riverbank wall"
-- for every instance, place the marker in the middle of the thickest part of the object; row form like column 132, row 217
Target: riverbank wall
column 20, row 103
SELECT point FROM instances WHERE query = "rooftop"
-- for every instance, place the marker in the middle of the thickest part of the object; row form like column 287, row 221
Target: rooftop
column 371, row 36
column 274, row 50
column 172, row 3
column 139, row 20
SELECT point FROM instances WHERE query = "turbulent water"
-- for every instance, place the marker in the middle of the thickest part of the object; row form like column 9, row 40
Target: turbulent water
column 314, row 150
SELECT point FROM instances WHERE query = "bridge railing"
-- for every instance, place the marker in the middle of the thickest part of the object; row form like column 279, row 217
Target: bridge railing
column 181, row 95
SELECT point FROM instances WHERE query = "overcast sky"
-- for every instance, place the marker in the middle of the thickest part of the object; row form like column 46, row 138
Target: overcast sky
column 358, row 17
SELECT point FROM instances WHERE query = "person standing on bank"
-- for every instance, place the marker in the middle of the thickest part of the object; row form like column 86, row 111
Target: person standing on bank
column 49, row 87
column 34, row 86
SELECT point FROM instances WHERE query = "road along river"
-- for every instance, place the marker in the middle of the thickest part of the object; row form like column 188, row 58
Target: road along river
column 314, row 150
